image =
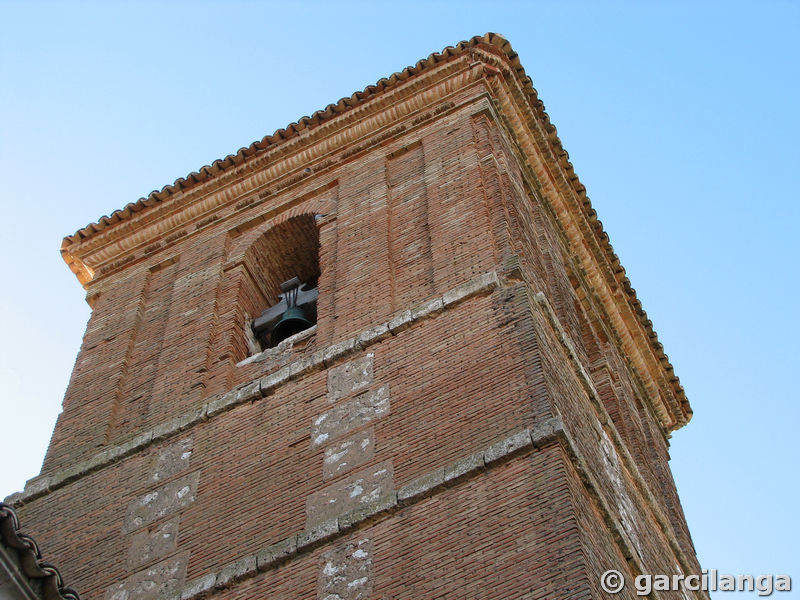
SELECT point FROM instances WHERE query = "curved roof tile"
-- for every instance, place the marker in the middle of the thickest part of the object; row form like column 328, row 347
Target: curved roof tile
column 31, row 564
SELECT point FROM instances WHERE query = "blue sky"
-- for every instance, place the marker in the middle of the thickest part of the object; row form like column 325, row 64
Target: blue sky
column 680, row 119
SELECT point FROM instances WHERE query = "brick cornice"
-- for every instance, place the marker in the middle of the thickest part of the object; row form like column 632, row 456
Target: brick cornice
column 527, row 123
column 275, row 169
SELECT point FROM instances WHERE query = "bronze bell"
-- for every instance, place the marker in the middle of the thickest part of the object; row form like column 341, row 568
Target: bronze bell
column 294, row 319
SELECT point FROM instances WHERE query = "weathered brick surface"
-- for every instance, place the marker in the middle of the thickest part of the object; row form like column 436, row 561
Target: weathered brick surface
column 456, row 310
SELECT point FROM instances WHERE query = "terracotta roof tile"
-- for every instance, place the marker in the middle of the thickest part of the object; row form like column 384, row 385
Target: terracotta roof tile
column 208, row 171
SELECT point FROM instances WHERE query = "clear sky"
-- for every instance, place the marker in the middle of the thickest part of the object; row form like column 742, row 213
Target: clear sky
column 681, row 119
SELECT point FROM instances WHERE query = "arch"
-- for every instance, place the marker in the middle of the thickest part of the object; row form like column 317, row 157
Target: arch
column 287, row 250
column 247, row 234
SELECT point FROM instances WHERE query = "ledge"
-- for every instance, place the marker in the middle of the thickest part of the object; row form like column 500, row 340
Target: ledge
column 303, row 541
column 285, row 347
column 259, row 388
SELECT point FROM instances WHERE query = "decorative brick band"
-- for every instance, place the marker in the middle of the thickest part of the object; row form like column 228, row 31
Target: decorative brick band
column 259, row 388
column 422, row 487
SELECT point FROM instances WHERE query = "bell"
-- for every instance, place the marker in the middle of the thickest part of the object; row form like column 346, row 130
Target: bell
column 292, row 321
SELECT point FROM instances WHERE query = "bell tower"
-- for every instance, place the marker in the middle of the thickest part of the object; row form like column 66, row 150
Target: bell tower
column 386, row 352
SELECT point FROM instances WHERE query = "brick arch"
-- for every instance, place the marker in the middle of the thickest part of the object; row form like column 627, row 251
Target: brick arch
column 241, row 244
column 263, row 254
column 288, row 249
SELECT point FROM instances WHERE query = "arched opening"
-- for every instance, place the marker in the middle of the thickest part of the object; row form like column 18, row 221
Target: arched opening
column 284, row 267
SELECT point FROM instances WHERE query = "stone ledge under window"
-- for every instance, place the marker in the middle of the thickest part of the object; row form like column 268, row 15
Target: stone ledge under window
column 282, row 349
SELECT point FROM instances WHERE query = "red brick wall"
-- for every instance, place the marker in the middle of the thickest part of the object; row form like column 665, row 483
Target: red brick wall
column 400, row 224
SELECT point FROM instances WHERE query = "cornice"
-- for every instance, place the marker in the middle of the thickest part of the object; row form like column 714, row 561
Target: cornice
column 528, row 123
column 273, row 170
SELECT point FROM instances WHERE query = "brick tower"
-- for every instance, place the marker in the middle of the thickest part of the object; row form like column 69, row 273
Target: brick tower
column 386, row 352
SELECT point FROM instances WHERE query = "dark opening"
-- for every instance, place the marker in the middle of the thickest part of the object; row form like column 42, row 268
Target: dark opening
column 284, row 264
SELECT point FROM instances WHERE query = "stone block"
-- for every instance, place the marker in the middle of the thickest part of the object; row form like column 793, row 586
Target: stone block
column 198, row 586
column 264, row 559
column 507, row 446
column 220, row 404
column 248, row 393
column 346, row 572
column 317, row 533
column 488, row 281
column 349, row 453
column 152, row 544
column 126, row 448
column 102, row 458
column 547, row 431
column 345, row 417
column 476, row 285
column 16, row 498
column 161, row 580
column 338, row 350
column 171, row 460
column 350, row 377
column 141, row 440
column 427, row 309
column 421, row 486
column 178, row 424
column 473, row 462
column 362, row 488
column 57, row 479
column 373, row 335
column 37, row 485
column 366, row 511
column 68, row 474
column 316, row 361
column 168, row 499
column 400, row 322
column 298, row 368
column 276, row 552
column 269, row 382
column 236, row 570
